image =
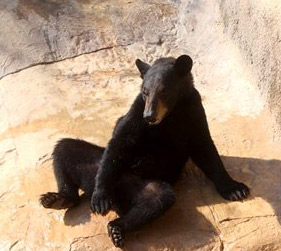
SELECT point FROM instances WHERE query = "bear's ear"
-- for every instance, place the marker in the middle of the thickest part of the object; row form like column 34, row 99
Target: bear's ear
column 183, row 64
column 143, row 67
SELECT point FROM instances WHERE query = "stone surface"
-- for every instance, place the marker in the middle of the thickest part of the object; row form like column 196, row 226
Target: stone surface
column 67, row 69
column 254, row 28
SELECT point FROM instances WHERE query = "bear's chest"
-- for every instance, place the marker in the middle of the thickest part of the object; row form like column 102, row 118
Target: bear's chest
column 174, row 135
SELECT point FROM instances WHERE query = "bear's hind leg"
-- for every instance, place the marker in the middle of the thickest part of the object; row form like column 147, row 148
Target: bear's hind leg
column 149, row 202
column 67, row 195
column 75, row 165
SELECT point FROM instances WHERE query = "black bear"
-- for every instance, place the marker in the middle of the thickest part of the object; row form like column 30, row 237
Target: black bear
column 150, row 145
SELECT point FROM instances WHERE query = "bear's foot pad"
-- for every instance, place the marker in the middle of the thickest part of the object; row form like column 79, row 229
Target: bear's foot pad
column 234, row 191
column 115, row 233
column 55, row 201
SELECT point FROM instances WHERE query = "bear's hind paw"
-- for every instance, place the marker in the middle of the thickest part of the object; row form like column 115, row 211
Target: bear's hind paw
column 115, row 233
column 55, row 201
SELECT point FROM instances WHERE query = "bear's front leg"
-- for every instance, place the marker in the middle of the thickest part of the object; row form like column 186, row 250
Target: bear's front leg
column 206, row 157
column 118, row 156
column 113, row 164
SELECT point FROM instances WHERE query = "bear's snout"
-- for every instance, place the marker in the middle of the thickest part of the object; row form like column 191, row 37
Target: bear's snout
column 149, row 117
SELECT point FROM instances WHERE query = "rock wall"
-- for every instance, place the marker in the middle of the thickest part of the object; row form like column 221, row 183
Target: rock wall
column 255, row 29
column 67, row 69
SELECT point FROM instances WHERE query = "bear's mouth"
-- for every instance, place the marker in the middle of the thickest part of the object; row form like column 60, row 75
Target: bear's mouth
column 157, row 122
column 159, row 119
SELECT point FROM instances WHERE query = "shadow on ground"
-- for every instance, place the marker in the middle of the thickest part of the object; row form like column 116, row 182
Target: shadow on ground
column 193, row 222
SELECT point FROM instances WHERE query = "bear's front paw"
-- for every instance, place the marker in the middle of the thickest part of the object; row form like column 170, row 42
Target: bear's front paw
column 101, row 203
column 234, row 191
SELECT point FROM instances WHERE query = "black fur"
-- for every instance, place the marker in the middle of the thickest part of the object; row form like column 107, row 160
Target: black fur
column 75, row 163
column 134, row 174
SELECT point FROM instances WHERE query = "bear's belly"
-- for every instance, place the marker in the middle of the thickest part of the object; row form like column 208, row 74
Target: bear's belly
column 159, row 162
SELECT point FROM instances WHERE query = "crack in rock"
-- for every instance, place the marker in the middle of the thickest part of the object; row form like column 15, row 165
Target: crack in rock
column 218, row 231
column 77, row 239
column 248, row 218
column 13, row 244
column 71, row 57
column 241, row 237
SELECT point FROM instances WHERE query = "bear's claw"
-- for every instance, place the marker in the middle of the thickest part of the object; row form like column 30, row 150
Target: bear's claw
column 49, row 199
column 234, row 191
column 100, row 204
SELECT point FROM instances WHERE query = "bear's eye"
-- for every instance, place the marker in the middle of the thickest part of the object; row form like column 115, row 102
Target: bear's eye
column 163, row 92
column 145, row 92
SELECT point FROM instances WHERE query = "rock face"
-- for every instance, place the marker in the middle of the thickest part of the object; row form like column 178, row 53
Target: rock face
column 67, row 69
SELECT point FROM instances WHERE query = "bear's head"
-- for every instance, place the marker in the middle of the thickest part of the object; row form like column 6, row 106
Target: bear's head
column 164, row 84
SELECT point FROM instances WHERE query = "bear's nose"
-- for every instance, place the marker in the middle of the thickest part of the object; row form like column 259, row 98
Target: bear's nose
column 150, row 118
